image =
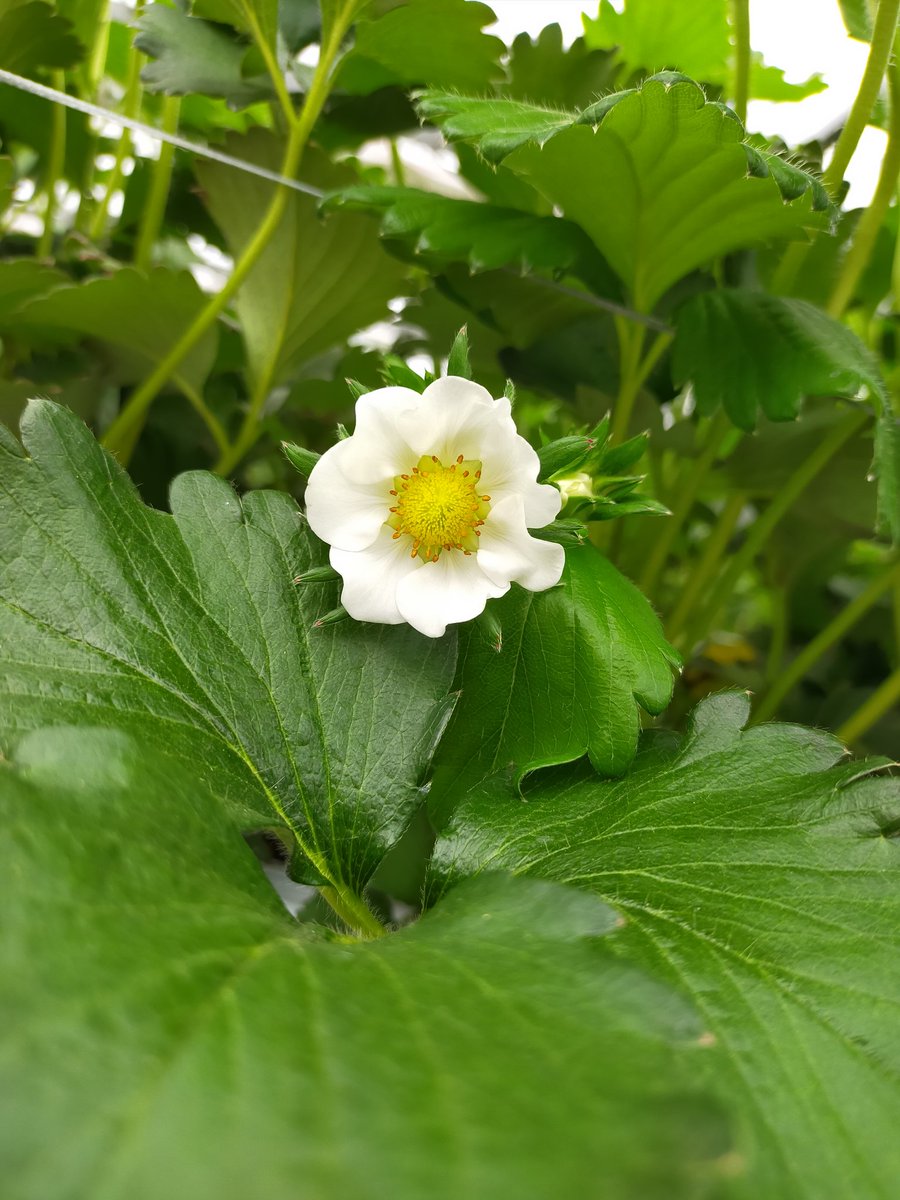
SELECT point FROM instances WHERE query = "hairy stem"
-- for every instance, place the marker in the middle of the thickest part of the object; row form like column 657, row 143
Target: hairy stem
column 779, row 505
column 872, row 710
column 55, row 162
column 832, row 633
column 353, row 911
column 871, row 220
column 740, row 21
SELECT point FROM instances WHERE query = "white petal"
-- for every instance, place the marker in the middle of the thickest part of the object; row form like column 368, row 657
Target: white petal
column 450, row 590
column 507, row 552
column 511, row 468
column 371, row 578
column 342, row 511
column 457, row 417
column 379, row 448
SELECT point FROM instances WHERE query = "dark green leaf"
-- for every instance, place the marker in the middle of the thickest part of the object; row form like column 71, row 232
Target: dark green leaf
column 544, row 71
column 188, row 632
column 576, row 663
column 438, row 42
column 765, row 884
column 139, row 316
column 438, row 229
column 316, row 282
column 178, row 1034
column 33, row 35
column 750, row 350
column 192, row 56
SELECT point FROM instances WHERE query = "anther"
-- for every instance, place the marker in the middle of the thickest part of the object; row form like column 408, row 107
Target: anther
column 459, row 458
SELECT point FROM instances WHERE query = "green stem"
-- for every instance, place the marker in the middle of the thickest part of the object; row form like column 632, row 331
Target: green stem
column 55, row 162
column 207, row 416
column 871, row 220
column 831, row 634
column 155, row 208
column 716, row 545
column 880, row 50
column 249, row 431
column 631, row 345
column 740, row 20
column 781, row 609
column 692, row 479
column 353, row 911
column 123, row 432
column 873, row 710
column 130, row 106
column 763, row 526
column 284, row 98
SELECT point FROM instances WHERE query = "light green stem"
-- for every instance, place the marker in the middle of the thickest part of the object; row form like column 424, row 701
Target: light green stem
column 823, row 642
column 271, row 62
column 55, row 163
column 880, row 50
column 779, row 505
column 130, row 107
column 715, row 547
column 631, row 345
column 692, row 480
column 740, row 20
column 871, row 220
column 779, row 599
column 123, row 432
column 207, row 416
column 154, row 211
column 873, row 710
column 353, row 911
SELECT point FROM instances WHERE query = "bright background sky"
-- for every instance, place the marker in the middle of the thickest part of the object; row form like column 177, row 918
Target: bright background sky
column 800, row 36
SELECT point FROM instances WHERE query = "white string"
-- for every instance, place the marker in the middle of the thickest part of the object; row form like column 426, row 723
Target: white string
column 106, row 114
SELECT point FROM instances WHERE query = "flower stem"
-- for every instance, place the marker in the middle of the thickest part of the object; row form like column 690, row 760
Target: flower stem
column 833, row 632
column 55, row 162
column 870, row 222
column 631, row 344
column 691, row 482
column 123, row 432
column 716, row 545
column 353, row 911
column 155, row 209
column 271, row 62
column 872, row 710
column 779, row 505
column 740, row 20
column 880, row 50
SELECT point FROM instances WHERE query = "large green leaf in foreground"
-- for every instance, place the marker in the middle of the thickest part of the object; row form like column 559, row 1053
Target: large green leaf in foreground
column 766, row 883
column 574, row 664
column 187, row 632
column 178, row 1035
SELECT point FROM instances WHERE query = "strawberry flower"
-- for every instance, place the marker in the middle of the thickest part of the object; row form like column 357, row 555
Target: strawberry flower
column 427, row 507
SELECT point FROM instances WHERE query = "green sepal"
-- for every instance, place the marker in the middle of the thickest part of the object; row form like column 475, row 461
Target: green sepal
column 564, row 455
column 301, row 459
column 458, row 362
column 333, row 617
column 489, row 623
column 565, row 532
column 618, row 459
column 396, row 373
column 318, row 575
column 357, row 389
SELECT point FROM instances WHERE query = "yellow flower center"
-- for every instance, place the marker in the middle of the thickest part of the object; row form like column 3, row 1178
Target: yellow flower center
column 439, row 507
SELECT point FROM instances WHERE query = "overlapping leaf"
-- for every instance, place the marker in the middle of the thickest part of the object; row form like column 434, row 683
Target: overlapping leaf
column 574, row 665
column 179, row 1035
column 34, row 35
column 140, row 316
column 658, row 177
column 486, row 236
column 747, row 350
column 186, row 631
column 765, row 883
